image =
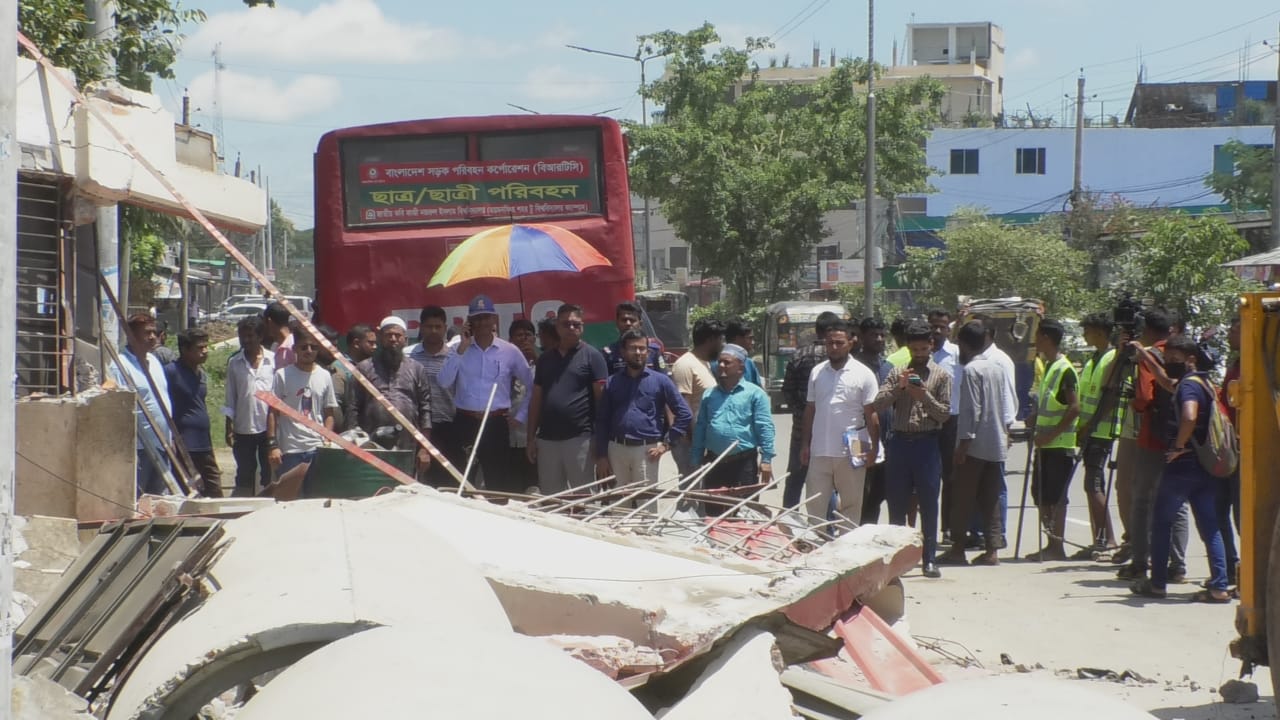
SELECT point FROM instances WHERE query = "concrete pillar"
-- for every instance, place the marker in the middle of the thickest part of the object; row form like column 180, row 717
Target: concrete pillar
column 951, row 45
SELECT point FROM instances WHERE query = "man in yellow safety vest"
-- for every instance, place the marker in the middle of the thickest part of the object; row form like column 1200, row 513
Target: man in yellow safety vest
column 1055, row 439
column 1097, row 428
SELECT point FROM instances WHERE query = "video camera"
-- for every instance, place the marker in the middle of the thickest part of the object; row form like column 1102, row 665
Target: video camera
column 1127, row 316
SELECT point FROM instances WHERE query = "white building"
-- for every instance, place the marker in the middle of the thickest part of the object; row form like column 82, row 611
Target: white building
column 1031, row 170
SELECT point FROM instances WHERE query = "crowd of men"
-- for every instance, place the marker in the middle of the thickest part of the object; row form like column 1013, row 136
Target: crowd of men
column 926, row 429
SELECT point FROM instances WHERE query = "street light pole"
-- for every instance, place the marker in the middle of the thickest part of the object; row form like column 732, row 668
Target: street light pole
column 868, row 259
column 644, row 123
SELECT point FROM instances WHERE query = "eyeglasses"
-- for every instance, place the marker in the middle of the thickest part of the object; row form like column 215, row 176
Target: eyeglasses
column 306, row 346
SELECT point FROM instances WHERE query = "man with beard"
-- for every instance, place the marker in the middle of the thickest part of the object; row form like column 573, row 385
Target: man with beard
column 631, row 432
column 840, row 399
column 401, row 381
column 431, row 351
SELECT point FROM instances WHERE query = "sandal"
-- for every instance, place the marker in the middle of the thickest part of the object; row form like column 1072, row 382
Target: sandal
column 1146, row 589
column 1207, row 596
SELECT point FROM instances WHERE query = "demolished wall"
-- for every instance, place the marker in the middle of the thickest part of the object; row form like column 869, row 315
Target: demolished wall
column 96, row 481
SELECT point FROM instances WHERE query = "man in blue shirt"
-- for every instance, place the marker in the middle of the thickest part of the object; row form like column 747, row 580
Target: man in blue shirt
column 631, row 422
column 734, row 411
column 738, row 332
column 482, row 364
column 627, row 317
column 188, row 386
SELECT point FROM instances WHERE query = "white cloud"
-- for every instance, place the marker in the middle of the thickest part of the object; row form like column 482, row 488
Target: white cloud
column 1025, row 59
column 555, row 83
column 341, row 31
column 250, row 97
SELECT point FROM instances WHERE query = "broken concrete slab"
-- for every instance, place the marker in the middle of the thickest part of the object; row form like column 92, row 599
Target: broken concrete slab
column 293, row 578
column 616, row 657
column 560, row 576
column 436, row 670
column 743, row 683
column 44, row 547
column 1008, row 697
column 39, row 698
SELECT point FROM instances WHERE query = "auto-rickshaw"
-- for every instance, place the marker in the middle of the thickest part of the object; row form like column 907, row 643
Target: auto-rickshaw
column 788, row 327
column 1016, row 321
column 669, row 312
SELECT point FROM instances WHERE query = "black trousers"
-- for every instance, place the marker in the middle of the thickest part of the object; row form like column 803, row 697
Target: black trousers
column 737, row 470
column 947, row 447
column 251, row 453
column 493, row 451
column 444, row 435
column 211, row 475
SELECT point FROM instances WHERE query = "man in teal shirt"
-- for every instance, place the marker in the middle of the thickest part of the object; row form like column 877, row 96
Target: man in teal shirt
column 734, row 411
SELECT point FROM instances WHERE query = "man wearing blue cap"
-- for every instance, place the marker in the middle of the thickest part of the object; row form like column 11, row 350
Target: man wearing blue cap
column 734, row 411
column 486, row 363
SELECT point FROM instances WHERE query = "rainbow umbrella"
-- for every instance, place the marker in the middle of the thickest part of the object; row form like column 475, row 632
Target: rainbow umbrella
column 512, row 251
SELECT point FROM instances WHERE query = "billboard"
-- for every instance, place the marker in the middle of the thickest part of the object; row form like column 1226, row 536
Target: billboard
column 840, row 272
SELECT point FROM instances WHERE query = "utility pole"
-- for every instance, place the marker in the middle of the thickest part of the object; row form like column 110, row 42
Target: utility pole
column 868, row 211
column 270, row 237
column 186, row 108
column 184, row 278
column 113, row 254
column 1077, row 184
column 8, row 330
column 644, row 123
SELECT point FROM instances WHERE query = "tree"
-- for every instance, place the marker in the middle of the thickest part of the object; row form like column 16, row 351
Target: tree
column 1248, row 185
column 145, row 43
column 986, row 257
column 1177, row 264
column 1101, row 227
column 746, row 180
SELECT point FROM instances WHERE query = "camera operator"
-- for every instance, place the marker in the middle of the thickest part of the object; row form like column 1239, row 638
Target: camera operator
column 1154, row 404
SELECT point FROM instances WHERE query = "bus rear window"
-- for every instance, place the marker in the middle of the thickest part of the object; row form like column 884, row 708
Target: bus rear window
column 528, row 175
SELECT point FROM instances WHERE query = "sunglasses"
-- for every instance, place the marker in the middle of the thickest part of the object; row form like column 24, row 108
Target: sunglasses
column 306, row 346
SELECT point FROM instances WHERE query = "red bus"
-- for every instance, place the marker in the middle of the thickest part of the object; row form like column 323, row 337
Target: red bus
column 393, row 200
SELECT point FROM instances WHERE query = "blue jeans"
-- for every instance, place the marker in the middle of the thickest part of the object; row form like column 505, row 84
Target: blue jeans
column 1185, row 481
column 915, row 464
column 151, row 478
column 290, row 461
column 1228, row 511
column 793, row 489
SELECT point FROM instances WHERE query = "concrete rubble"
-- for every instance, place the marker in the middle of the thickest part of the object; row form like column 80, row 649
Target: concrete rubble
column 302, row 587
column 742, row 683
column 38, row 698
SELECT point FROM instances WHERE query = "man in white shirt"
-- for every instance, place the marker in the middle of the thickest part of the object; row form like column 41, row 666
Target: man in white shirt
column 947, row 356
column 841, row 396
column 249, row 371
column 1009, row 413
column 139, row 363
column 693, row 378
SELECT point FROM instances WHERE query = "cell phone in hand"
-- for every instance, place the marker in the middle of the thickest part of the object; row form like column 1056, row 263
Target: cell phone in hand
column 915, row 380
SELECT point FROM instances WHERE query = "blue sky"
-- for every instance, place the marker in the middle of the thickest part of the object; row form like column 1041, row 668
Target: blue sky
column 308, row 66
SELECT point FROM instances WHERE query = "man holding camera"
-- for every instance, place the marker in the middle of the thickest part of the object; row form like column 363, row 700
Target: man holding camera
column 920, row 395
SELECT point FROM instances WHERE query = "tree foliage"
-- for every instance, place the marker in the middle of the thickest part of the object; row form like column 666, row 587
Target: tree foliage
column 746, row 180
column 989, row 258
column 1100, row 226
column 1176, row 263
column 1248, row 186
column 144, row 45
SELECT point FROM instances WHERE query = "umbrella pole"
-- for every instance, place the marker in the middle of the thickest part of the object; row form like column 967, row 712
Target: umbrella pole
column 520, row 284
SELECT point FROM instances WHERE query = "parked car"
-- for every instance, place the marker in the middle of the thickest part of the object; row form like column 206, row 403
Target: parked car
column 241, row 310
